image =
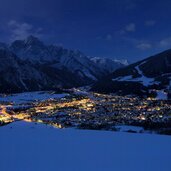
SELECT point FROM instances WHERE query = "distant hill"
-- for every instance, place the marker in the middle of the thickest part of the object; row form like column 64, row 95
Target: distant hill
column 145, row 77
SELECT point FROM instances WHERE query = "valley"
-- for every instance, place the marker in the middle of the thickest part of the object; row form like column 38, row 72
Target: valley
column 88, row 110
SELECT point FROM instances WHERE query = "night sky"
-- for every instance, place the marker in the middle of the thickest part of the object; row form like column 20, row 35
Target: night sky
column 123, row 29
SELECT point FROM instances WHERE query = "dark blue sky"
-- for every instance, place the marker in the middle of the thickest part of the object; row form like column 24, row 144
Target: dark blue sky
column 131, row 29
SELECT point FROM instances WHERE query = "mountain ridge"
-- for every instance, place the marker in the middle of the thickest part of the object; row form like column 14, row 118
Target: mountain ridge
column 147, row 76
column 37, row 66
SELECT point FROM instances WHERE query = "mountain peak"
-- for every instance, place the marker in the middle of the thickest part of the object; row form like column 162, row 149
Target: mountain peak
column 32, row 40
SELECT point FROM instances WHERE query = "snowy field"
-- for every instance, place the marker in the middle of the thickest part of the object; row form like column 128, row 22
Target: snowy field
column 27, row 97
column 37, row 147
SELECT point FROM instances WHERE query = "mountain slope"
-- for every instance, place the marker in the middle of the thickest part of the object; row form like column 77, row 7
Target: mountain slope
column 35, row 51
column 17, row 75
column 13, row 73
column 29, row 64
column 108, row 65
column 143, row 78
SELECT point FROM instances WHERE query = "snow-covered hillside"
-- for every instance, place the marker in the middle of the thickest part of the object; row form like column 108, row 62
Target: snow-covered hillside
column 146, row 81
column 148, row 77
column 34, row 147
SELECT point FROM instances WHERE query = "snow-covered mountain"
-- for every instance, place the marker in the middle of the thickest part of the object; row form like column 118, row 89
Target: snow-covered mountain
column 31, row 49
column 36, row 51
column 13, row 72
column 145, row 77
column 35, row 66
column 108, row 65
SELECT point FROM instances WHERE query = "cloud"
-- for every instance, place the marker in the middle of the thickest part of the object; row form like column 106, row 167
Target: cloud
column 109, row 37
column 150, row 23
column 22, row 30
column 141, row 44
column 130, row 5
column 130, row 27
column 144, row 46
column 165, row 43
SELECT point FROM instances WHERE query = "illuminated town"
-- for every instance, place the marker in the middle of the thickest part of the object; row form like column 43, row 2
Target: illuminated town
column 92, row 111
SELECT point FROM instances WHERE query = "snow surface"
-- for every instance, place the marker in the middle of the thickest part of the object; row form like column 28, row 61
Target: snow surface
column 142, row 79
column 161, row 95
column 36, row 147
column 145, row 80
column 30, row 97
column 125, row 128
